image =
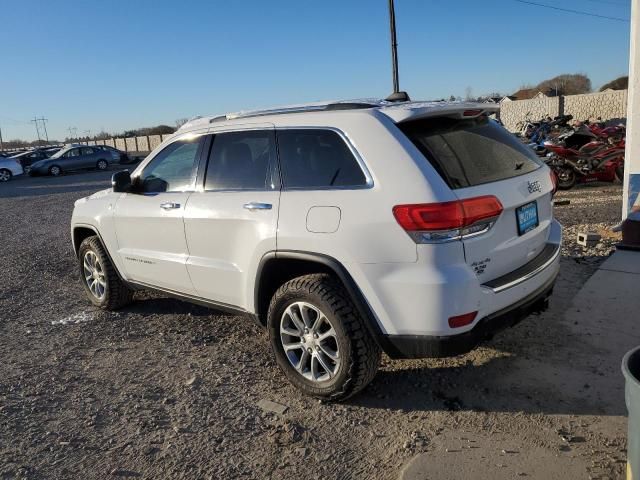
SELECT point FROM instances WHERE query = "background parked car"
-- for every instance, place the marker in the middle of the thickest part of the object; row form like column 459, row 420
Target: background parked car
column 117, row 155
column 26, row 159
column 9, row 168
column 51, row 150
column 72, row 158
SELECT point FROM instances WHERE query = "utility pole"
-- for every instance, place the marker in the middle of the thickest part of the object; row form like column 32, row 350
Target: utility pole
column 397, row 95
column 44, row 126
column 36, row 120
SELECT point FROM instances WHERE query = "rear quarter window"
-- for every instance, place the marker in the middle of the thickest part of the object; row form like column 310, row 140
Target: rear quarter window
column 470, row 152
column 317, row 159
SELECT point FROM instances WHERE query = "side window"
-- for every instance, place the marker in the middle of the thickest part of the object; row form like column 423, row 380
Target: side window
column 87, row 151
column 72, row 153
column 241, row 161
column 317, row 159
column 173, row 169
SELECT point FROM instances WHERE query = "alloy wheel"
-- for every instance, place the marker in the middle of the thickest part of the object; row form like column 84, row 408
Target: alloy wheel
column 55, row 171
column 5, row 175
column 310, row 342
column 102, row 165
column 94, row 275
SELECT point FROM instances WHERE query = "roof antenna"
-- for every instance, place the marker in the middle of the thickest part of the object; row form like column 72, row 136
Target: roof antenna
column 397, row 95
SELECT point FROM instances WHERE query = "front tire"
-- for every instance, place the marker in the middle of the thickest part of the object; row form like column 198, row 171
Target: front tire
column 5, row 175
column 319, row 339
column 55, row 171
column 102, row 165
column 566, row 178
column 99, row 277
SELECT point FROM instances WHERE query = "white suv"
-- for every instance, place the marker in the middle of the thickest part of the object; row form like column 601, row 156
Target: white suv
column 346, row 229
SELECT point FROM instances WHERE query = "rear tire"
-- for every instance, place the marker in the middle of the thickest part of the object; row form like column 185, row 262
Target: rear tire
column 5, row 175
column 99, row 278
column 620, row 173
column 354, row 355
column 566, row 178
column 102, row 165
column 55, row 171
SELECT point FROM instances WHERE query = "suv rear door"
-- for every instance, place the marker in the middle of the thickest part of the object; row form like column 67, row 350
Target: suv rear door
column 231, row 220
column 478, row 157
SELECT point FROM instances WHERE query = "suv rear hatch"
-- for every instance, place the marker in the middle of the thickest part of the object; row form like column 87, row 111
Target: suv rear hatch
column 477, row 157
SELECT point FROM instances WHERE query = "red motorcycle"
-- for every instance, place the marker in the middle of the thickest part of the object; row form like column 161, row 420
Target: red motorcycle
column 593, row 162
column 616, row 132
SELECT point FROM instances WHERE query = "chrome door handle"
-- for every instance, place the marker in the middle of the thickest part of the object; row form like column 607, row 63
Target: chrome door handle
column 257, row 206
column 169, row 205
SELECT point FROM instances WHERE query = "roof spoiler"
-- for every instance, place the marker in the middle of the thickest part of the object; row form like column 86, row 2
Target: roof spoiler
column 419, row 111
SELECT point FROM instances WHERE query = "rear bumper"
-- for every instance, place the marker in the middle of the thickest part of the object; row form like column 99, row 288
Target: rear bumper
column 423, row 346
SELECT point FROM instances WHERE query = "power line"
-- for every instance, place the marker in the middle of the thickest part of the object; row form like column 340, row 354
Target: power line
column 579, row 12
column 611, row 2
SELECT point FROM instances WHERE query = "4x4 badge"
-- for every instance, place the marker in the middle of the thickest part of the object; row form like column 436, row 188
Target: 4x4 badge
column 534, row 186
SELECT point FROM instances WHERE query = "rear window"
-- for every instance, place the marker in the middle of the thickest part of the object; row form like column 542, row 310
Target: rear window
column 470, row 152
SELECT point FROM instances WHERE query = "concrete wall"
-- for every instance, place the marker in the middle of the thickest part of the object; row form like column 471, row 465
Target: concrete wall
column 514, row 112
column 606, row 105
column 143, row 144
column 154, row 141
column 130, row 144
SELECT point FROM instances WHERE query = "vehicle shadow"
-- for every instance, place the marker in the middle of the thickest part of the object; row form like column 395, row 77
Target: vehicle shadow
column 563, row 361
column 25, row 186
column 499, row 385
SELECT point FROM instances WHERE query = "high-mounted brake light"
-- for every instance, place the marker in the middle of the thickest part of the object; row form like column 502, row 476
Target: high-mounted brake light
column 438, row 222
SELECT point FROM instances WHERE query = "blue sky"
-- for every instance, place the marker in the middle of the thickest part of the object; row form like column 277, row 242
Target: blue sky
column 127, row 64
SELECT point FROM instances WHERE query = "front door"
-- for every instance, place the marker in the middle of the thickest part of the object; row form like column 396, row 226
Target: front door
column 149, row 221
column 231, row 222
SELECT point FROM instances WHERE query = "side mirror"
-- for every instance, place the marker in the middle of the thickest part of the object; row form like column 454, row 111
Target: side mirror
column 121, row 181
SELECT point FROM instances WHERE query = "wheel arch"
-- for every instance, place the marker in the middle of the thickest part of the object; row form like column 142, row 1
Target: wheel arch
column 276, row 268
column 81, row 232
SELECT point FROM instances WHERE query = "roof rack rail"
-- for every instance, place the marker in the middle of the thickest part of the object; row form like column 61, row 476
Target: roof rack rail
column 298, row 109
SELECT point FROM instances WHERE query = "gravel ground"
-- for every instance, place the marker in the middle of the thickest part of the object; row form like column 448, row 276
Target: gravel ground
column 165, row 389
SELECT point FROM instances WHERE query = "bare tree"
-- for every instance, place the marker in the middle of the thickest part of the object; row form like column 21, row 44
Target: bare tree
column 181, row 121
column 620, row 83
column 566, row 84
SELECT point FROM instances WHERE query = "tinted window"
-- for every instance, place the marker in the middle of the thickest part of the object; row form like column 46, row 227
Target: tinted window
column 173, row 169
column 470, row 152
column 317, row 159
column 241, row 160
column 87, row 151
column 73, row 153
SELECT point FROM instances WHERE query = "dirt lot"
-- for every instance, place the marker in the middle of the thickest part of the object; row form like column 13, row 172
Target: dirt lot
column 164, row 389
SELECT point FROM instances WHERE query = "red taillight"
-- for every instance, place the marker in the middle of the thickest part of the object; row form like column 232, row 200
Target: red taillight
column 462, row 320
column 448, row 215
column 471, row 113
column 554, row 181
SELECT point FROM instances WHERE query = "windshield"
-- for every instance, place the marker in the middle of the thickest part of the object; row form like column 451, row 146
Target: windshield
column 59, row 153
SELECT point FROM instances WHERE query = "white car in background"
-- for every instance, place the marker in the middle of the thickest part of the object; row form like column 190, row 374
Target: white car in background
column 9, row 168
